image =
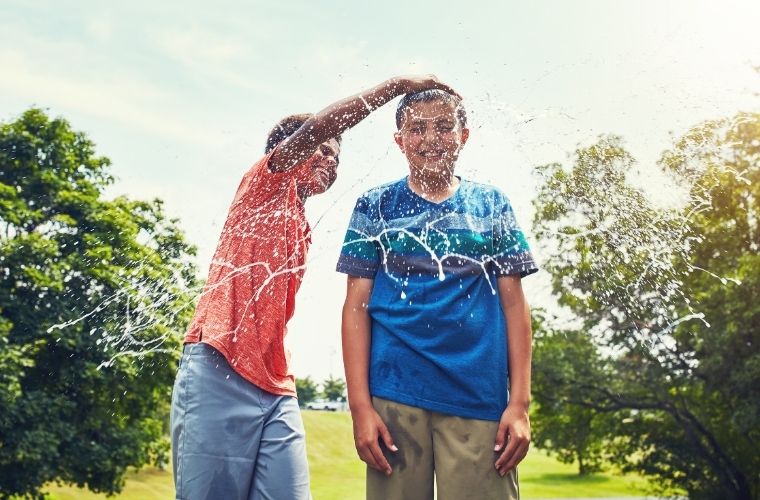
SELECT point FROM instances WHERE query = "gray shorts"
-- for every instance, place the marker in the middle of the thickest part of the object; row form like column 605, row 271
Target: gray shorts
column 230, row 439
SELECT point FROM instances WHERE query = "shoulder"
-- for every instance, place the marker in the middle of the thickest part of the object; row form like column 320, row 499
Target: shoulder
column 263, row 169
column 485, row 192
column 262, row 164
column 260, row 177
column 373, row 196
column 252, row 180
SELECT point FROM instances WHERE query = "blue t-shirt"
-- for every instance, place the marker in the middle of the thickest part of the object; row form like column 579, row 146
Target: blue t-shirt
column 439, row 339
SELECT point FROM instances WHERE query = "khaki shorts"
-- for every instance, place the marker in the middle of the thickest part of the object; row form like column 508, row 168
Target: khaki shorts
column 458, row 452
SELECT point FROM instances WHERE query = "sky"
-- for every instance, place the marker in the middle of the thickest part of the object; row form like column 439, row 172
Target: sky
column 180, row 96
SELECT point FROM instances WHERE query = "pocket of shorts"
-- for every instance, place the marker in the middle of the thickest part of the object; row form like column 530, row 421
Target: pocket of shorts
column 183, row 357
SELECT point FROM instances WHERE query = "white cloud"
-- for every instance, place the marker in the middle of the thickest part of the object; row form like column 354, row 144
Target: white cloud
column 199, row 49
column 214, row 56
column 115, row 97
column 100, row 27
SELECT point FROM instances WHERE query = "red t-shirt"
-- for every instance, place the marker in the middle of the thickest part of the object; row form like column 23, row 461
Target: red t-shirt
column 254, row 276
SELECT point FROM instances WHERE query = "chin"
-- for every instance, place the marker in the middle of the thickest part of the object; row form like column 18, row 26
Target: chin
column 329, row 185
column 436, row 168
column 317, row 192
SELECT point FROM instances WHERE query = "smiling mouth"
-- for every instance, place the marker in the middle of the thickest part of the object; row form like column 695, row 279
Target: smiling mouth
column 433, row 155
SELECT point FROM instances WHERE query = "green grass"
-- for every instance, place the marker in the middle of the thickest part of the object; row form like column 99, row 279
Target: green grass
column 145, row 484
column 541, row 476
column 337, row 473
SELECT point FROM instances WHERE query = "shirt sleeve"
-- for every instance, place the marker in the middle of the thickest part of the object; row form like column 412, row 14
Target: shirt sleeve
column 260, row 184
column 360, row 254
column 512, row 254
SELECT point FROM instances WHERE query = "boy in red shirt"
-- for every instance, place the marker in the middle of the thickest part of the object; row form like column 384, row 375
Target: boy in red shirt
column 236, row 427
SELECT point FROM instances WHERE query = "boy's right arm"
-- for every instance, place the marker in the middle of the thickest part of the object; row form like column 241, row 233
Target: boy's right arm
column 369, row 428
column 344, row 114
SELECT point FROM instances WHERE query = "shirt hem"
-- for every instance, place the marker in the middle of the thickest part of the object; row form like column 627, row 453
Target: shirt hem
column 434, row 406
column 511, row 270
column 353, row 271
column 278, row 391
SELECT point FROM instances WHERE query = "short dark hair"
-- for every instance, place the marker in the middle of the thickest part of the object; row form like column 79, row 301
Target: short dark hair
column 284, row 129
column 287, row 127
column 428, row 96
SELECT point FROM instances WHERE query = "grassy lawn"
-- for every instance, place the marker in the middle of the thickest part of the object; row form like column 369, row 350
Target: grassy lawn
column 337, row 474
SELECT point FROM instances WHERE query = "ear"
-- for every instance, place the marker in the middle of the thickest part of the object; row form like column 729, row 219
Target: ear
column 399, row 140
column 465, row 135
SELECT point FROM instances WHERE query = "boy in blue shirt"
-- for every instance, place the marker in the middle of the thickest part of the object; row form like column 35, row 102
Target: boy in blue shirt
column 436, row 386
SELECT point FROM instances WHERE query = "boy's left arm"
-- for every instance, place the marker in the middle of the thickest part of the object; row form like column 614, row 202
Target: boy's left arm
column 513, row 436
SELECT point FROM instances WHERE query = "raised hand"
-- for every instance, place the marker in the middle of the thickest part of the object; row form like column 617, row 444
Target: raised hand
column 416, row 83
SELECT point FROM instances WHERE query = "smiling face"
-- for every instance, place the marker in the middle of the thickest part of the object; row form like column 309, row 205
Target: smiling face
column 322, row 172
column 431, row 136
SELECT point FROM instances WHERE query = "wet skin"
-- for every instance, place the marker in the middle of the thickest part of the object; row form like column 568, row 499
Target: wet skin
column 323, row 172
column 431, row 138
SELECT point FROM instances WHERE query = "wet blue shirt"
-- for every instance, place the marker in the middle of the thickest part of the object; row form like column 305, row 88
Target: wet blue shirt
column 439, row 337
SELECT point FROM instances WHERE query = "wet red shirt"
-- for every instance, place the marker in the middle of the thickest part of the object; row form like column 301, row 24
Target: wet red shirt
column 254, row 276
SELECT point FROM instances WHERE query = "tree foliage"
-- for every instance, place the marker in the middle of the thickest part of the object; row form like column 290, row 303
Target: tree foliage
column 306, row 390
column 669, row 297
column 574, row 433
column 334, row 389
column 93, row 299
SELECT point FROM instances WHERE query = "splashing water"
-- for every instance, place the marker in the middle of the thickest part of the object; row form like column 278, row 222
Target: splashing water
column 651, row 243
column 635, row 257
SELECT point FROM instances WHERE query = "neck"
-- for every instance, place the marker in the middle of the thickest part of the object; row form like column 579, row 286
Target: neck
column 434, row 188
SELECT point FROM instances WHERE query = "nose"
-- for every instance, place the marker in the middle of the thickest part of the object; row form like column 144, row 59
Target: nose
column 430, row 134
column 329, row 161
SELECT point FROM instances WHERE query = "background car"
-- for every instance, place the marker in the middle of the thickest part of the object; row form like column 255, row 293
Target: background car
column 323, row 404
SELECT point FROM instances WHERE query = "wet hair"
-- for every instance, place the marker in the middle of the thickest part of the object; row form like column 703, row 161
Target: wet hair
column 284, row 129
column 287, row 127
column 429, row 96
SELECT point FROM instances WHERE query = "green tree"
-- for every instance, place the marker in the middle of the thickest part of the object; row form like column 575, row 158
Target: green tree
column 93, row 299
column 306, row 390
column 669, row 297
column 575, row 433
column 334, row 389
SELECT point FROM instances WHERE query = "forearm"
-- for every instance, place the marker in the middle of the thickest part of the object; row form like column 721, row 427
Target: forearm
column 356, row 337
column 369, row 428
column 520, row 353
column 344, row 114
column 519, row 340
column 331, row 122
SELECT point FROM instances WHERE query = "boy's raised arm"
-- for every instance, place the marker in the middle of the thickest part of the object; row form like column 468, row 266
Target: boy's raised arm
column 344, row 114
column 513, row 435
column 356, row 333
